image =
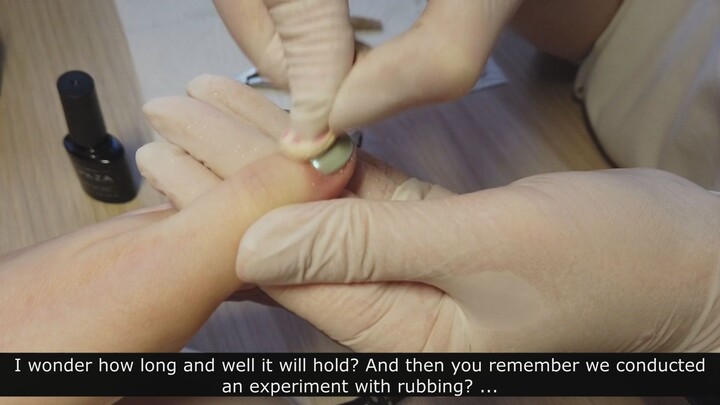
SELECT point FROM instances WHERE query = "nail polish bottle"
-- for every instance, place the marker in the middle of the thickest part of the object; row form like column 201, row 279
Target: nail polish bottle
column 98, row 157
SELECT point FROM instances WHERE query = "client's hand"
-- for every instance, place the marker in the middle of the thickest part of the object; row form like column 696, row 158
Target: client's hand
column 148, row 281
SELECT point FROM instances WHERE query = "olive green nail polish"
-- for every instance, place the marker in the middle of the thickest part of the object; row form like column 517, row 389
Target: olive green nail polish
column 336, row 157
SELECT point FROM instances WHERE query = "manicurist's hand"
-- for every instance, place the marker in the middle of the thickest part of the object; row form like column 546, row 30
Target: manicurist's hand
column 309, row 44
column 618, row 260
column 439, row 59
column 306, row 45
column 148, row 281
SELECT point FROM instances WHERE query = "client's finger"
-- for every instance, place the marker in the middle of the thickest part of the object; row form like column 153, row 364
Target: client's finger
column 221, row 142
column 241, row 101
column 216, row 221
column 170, row 170
column 372, row 179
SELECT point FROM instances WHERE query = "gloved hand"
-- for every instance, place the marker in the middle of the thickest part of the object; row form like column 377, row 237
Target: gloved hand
column 617, row 260
column 309, row 44
column 439, row 59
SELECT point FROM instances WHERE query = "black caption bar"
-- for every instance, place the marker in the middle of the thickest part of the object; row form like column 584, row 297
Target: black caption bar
column 349, row 374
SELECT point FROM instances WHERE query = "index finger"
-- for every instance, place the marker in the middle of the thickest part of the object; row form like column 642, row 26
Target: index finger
column 250, row 24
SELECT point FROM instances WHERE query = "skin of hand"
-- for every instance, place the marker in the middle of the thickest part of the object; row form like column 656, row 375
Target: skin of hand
column 617, row 260
column 114, row 286
column 309, row 44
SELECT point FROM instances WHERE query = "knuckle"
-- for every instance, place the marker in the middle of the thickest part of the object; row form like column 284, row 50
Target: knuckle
column 253, row 187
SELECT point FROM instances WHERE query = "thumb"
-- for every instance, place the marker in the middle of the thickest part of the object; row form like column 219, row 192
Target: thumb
column 439, row 59
column 353, row 240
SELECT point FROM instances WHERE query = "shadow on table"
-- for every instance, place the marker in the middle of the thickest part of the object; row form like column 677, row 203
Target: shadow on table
column 554, row 69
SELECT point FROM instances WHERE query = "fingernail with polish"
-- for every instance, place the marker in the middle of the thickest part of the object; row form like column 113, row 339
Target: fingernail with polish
column 336, row 157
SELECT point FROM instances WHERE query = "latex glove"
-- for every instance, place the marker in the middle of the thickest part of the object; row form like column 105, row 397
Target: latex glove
column 618, row 260
column 307, row 45
column 115, row 286
column 439, row 59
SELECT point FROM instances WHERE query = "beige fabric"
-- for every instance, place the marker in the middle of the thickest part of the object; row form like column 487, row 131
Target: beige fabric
column 651, row 87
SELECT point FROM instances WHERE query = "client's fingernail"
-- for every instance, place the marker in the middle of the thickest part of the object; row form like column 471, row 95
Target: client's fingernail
column 336, row 157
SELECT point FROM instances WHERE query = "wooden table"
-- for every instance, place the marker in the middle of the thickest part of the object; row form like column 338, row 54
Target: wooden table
column 41, row 197
column 490, row 138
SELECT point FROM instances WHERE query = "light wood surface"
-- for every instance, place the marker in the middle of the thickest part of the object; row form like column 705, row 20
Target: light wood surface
column 488, row 139
column 41, row 197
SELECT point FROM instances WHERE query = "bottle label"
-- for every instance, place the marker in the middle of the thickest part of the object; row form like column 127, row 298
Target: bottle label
column 101, row 183
column 94, row 176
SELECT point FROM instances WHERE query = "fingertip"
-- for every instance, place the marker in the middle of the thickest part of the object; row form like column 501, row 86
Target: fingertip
column 174, row 173
column 336, row 157
column 160, row 107
column 240, row 259
column 147, row 153
column 150, row 107
column 302, row 149
column 327, row 185
column 155, row 104
column 334, row 169
column 201, row 85
column 246, row 250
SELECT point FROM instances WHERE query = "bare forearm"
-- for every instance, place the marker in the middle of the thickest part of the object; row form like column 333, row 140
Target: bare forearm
column 131, row 293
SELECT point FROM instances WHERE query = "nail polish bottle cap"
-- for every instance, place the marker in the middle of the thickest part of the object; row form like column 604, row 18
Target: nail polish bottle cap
column 82, row 110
